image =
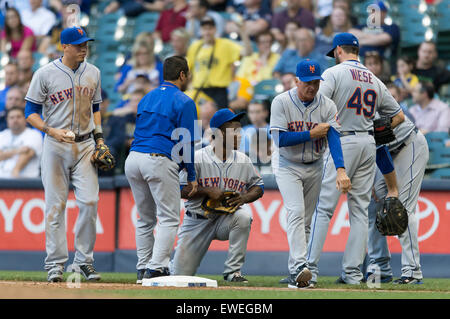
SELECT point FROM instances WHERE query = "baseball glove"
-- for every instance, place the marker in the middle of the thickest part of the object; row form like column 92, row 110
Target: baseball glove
column 102, row 158
column 383, row 132
column 392, row 220
column 211, row 206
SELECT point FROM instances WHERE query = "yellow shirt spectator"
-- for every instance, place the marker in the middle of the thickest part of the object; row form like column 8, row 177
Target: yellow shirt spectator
column 226, row 53
column 253, row 69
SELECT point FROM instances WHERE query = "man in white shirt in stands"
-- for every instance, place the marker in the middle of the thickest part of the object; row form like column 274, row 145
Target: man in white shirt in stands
column 38, row 18
column 20, row 147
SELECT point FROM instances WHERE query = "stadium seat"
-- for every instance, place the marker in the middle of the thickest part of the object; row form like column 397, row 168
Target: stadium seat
column 267, row 89
column 145, row 22
column 437, row 137
column 440, row 157
column 441, row 173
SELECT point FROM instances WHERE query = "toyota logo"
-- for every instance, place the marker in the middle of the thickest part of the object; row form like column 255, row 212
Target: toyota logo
column 424, row 209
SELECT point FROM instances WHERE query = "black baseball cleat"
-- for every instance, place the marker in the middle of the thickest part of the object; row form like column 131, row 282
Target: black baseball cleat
column 140, row 276
column 235, row 277
column 408, row 281
column 284, row 280
column 88, row 272
column 55, row 275
column 153, row 273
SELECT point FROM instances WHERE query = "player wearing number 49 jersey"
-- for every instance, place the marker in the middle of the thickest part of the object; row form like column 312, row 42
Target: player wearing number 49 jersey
column 358, row 94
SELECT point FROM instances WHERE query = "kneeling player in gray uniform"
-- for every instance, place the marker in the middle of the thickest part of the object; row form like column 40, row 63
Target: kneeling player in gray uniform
column 301, row 123
column 219, row 168
column 410, row 155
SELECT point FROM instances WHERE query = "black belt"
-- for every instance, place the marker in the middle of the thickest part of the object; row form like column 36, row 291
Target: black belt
column 309, row 163
column 347, row 133
column 401, row 146
column 158, row 155
column 194, row 215
column 81, row 138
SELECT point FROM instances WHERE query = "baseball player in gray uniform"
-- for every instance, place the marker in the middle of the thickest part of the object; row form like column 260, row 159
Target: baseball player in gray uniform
column 358, row 94
column 410, row 155
column 67, row 91
column 220, row 168
column 302, row 123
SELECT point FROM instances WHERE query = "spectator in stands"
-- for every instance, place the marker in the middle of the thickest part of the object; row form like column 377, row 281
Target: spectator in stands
column 133, row 8
column 212, row 63
column 171, row 19
column 293, row 12
column 384, row 39
column 25, row 62
column 258, row 113
column 341, row 4
column 374, row 62
column 17, row 35
column 11, row 79
column 289, row 36
column 143, row 62
column 426, row 66
column 198, row 9
column 259, row 65
column 288, row 81
column 121, row 125
column 240, row 93
column 104, row 105
column 20, row 147
column 404, row 79
column 141, row 82
column 256, row 19
column 179, row 40
column 305, row 45
column 397, row 95
column 207, row 110
column 50, row 44
column 431, row 114
column 14, row 98
column 38, row 18
column 338, row 22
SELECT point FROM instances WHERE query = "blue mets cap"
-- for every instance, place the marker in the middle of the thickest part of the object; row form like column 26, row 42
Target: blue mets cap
column 74, row 35
column 344, row 38
column 308, row 70
column 383, row 6
column 224, row 115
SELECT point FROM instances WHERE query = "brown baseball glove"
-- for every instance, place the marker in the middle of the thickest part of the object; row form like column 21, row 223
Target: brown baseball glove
column 102, row 158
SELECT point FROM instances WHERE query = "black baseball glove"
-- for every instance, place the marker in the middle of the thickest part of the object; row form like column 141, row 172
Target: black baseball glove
column 392, row 220
column 102, row 158
column 211, row 206
column 383, row 132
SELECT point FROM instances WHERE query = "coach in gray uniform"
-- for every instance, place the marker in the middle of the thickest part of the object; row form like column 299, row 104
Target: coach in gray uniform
column 68, row 92
column 219, row 168
column 410, row 154
column 303, row 122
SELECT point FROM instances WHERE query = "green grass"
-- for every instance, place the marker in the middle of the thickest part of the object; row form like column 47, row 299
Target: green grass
column 434, row 288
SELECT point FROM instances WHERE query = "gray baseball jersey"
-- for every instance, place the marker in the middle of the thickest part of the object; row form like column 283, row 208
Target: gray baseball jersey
column 67, row 97
column 289, row 114
column 237, row 174
column 358, row 95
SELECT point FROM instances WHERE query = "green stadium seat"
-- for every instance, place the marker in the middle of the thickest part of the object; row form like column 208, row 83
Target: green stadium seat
column 267, row 89
column 440, row 156
column 441, row 173
column 437, row 137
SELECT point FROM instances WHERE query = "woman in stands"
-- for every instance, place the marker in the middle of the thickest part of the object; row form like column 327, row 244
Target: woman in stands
column 15, row 36
column 143, row 62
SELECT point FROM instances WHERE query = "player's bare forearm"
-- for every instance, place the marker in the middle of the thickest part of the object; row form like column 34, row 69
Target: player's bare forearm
column 397, row 119
column 98, row 123
column 240, row 199
column 58, row 134
column 391, row 183
column 211, row 192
